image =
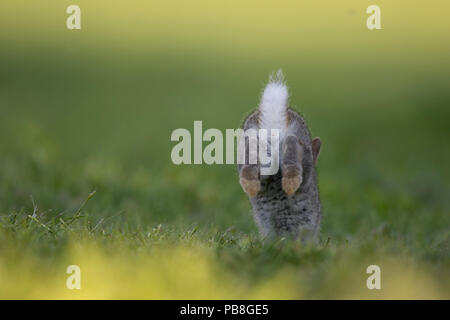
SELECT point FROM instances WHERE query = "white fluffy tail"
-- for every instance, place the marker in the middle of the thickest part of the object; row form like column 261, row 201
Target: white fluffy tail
column 274, row 103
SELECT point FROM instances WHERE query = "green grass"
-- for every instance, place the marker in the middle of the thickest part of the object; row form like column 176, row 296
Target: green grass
column 73, row 126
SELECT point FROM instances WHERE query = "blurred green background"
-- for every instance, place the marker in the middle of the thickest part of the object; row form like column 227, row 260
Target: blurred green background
column 93, row 109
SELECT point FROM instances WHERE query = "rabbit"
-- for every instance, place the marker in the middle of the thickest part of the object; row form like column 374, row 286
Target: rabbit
column 286, row 203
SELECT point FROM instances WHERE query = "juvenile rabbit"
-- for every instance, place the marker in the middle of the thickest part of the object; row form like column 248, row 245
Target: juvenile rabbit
column 287, row 202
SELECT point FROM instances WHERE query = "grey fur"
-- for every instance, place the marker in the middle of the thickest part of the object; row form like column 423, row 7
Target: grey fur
column 275, row 212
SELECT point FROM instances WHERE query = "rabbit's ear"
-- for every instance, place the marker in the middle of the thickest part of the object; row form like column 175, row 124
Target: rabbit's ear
column 316, row 148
